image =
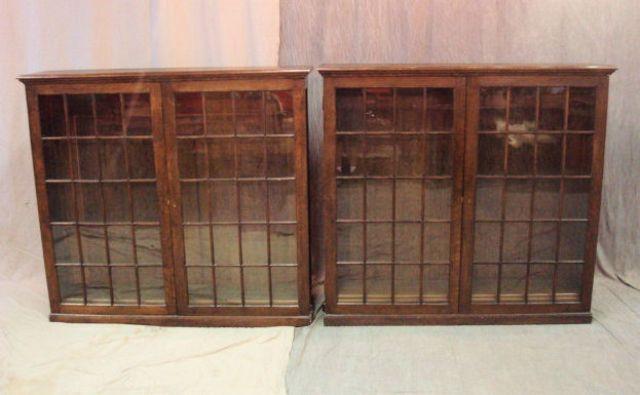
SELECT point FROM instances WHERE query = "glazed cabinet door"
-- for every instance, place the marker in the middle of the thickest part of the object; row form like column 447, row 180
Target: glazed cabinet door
column 238, row 171
column 393, row 181
column 100, row 175
column 533, row 177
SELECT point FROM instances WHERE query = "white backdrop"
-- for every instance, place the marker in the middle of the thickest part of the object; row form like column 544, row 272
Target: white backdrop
column 40, row 357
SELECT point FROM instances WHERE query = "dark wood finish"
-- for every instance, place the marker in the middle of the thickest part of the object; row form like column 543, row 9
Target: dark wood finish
column 108, row 150
column 531, row 147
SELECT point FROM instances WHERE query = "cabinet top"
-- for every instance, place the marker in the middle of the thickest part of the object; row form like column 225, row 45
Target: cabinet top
column 462, row 69
column 165, row 74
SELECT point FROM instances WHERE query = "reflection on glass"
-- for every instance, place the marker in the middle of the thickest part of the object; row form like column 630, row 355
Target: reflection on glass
column 137, row 114
column 493, row 109
column 407, row 242
column 148, row 245
column 192, row 158
column 436, row 284
column 283, row 244
column 410, row 156
column 540, row 283
column 350, row 242
column 515, row 242
column 513, row 283
column 224, row 203
column 80, row 110
column 249, row 112
column 256, row 286
column 379, row 156
column 549, row 153
column 151, row 285
column 437, row 199
column 546, row 200
column 200, row 286
column 113, row 160
column 543, row 241
column 189, row 114
column 123, row 280
column 409, row 103
column 116, row 199
column 573, row 237
column 569, row 285
column 379, row 199
column 222, row 157
column 226, row 249
column 487, row 242
column 253, row 201
column 65, row 244
column 228, row 286
column 552, row 103
column 407, row 284
column 378, row 279
column 436, row 242
column 282, row 201
column 251, row 158
column 109, row 117
column 56, row 159
column 490, row 154
column 60, row 202
column 378, row 242
column 92, row 239
column 195, row 206
column 51, row 109
column 284, row 286
column 89, row 202
column 254, row 245
column 488, row 199
column 439, row 109
column 520, row 160
column 219, row 111
column 484, row 284
column 145, row 202
column 576, row 198
column 279, row 112
column 141, row 159
column 522, row 114
column 349, row 156
column 408, row 205
column 518, row 199
column 349, row 110
column 70, row 284
column 280, row 158
column 439, row 152
column 97, row 280
column 579, row 154
column 349, row 284
column 582, row 108
column 120, row 245
column 349, row 199
column 379, row 109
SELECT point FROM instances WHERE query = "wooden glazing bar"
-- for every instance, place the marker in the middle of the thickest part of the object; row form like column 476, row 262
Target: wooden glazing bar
column 422, row 193
column 503, row 196
column 364, row 191
column 238, row 207
column 393, row 200
column 533, row 196
column 210, row 197
column 267, row 214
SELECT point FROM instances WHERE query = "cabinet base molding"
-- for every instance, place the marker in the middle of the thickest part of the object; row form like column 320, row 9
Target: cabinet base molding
column 457, row 319
column 182, row 320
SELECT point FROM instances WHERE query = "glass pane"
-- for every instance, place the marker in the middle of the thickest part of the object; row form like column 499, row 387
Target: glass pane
column 349, row 155
column 573, row 237
column 540, row 283
column 515, row 242
column 219, row 110
column 520, row 159
column 97, row 279
column 120, row 245
column 407, row 284
column 379, row 109
column 60, row 201
column 280, row 157
column 350, row 199
column 349, row 110
column 137, row 114
column 487, row 242
column 189, row 114
column 254, row 245
column 490, row 154
column 195, row 206
column 284, row 282
column 228, row 286
column 484, row 284
column 256, row 285
column 109, row 117
column 379, row 243
column 199, row 283
column 249, row 112
column 93, row 245
column 192, row 158
column 436, row 284
column 513, row 283
column 145, row 202
column 124, row 285
column 116, row 198
column 522, row 114
column 51, row 108
column 224, row 203
column 518, row 199
column 253, row 201
column 141, row 159
column 579, row 154
column 196, row 245
column 410, row 156
column 576, row 198
column 283, row 244
column 221, row 158
column 488, row 199
column 378, row 284
column 350, row 242
column 379, row 156
column 89, row 202
column 407, row 239
column 408, row 205
column 379, row 199
column 409, row 103
column 436, row 242
column 251, row 160
column 439, row 109
column 552, row 100
column 349, row 284
column 279, row 112
column 56, row 159
column 87, row 165
column 148, row 245
column 70, row 284
column 439, row 153
column 80, row 109
column 582, row 108
column 546, row 199
column 114, row 163
column 437, row 199
column 151, row 285
column 543, row 242
column 226, row 249
column 549, row 153
column 493, row 109
column 569, row 285
column 65, row 244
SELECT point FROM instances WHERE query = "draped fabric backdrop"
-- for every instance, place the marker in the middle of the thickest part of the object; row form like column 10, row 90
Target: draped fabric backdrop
column 40, row 357
column 467, row 31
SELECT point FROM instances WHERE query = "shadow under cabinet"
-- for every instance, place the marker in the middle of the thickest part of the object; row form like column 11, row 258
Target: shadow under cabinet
column 173, row 197
column 461, row 194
